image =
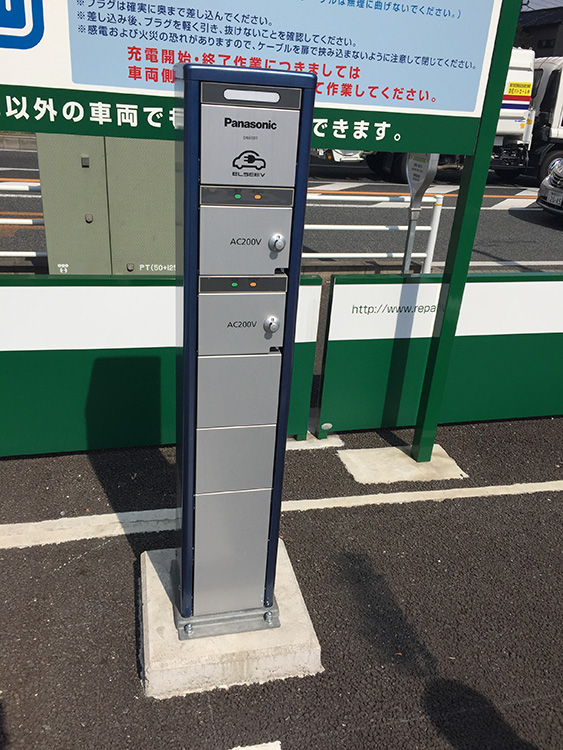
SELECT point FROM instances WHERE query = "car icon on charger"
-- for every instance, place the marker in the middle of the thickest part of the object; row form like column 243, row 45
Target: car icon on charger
column 249, row 159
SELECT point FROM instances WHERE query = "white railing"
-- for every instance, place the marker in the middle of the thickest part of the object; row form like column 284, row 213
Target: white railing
column 17, row 187
column 432, row 229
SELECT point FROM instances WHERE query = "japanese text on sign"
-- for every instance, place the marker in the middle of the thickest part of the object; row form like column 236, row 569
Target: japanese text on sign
column 407, row 56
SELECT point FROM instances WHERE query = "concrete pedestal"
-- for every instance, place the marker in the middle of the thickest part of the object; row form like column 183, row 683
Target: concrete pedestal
column 173, row 667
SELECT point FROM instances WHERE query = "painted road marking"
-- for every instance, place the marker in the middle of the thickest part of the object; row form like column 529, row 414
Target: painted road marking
column 442, row 189
column 518, row 206
column 332, row 186
column 391, row 498
column 525, row 194
column 404, row 206
column 19, row 195
column 20, row 535
column 21, row 213
column 266, row 746
column 56, row 531
column 520, row 200
column 19, row 169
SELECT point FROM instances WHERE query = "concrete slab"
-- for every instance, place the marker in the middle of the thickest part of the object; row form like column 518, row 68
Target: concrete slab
column 313, row 443
column 173, row 667
column 394, row 464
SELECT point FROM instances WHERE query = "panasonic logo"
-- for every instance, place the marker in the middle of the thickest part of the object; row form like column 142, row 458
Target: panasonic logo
column 259, row 124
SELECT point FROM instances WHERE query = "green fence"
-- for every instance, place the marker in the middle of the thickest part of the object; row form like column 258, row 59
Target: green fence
column 89, row 362
column 506, row 361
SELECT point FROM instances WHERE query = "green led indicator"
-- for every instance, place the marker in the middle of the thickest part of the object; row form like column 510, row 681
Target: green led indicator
column 238, row 196
column 234, row 283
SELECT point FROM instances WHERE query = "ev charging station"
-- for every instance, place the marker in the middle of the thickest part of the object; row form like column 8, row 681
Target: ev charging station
column 246, row 153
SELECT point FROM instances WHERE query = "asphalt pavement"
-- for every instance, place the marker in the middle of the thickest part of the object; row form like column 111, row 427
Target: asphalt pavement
column 439, row 622
column 437, row 604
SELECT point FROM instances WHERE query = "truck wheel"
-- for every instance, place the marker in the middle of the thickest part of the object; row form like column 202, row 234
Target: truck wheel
column 508, row 175
column 374, row 160
column 544, row 166
column 399, row 168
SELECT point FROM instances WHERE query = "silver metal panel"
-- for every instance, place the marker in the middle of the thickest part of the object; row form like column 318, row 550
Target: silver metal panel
column 233, row 323
column 234, row 240
column 234, row 458
column 248, row 146
column 238, row 390
column 231, row 540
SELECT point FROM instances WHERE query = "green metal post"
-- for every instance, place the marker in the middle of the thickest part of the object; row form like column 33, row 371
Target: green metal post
column 466, row 218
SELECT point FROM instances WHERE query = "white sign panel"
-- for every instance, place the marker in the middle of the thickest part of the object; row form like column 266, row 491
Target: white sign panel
column 396, row 56
column 389, row 74
column 383, row 311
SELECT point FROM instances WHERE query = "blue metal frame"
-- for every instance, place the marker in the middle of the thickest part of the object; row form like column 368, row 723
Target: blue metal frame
column 299, row 205
column 189, row 386
column 193, row 76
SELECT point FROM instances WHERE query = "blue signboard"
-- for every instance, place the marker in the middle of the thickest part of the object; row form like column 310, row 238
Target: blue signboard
column 367, row 53
column 21, row 23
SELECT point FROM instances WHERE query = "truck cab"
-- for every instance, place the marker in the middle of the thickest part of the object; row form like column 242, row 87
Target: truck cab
column 548, row 101
column 516, row 119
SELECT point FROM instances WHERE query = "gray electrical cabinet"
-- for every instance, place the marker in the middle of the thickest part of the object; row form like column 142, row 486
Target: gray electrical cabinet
column 72, row 170
column 108, row 204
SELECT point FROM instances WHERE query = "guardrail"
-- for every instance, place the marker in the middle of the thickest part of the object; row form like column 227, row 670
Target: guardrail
column 15, row 187
column 432, row 229
column 428, row 256
column 25, row 187
column 22, row 222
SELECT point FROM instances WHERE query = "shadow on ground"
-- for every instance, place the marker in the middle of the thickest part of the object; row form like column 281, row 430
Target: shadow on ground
column 467, row 719
column 3, row 735
column 383, row 621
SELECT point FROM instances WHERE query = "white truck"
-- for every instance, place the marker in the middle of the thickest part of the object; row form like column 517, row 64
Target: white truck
column 547, row 100
column 513, row 139
column 530, row 126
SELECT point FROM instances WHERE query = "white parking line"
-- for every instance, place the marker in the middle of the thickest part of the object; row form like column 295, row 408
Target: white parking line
column 20, row 535
column 375, row 204
column 33, row 534
column 390, row 498
column 442, row 189
column 330, row 186
column 267, row 746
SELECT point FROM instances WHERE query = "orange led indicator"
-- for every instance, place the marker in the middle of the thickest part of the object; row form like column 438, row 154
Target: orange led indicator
column 257, row 196
column 252, row 283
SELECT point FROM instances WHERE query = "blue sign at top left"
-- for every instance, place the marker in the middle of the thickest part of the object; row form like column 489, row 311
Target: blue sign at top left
column 21, row 23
